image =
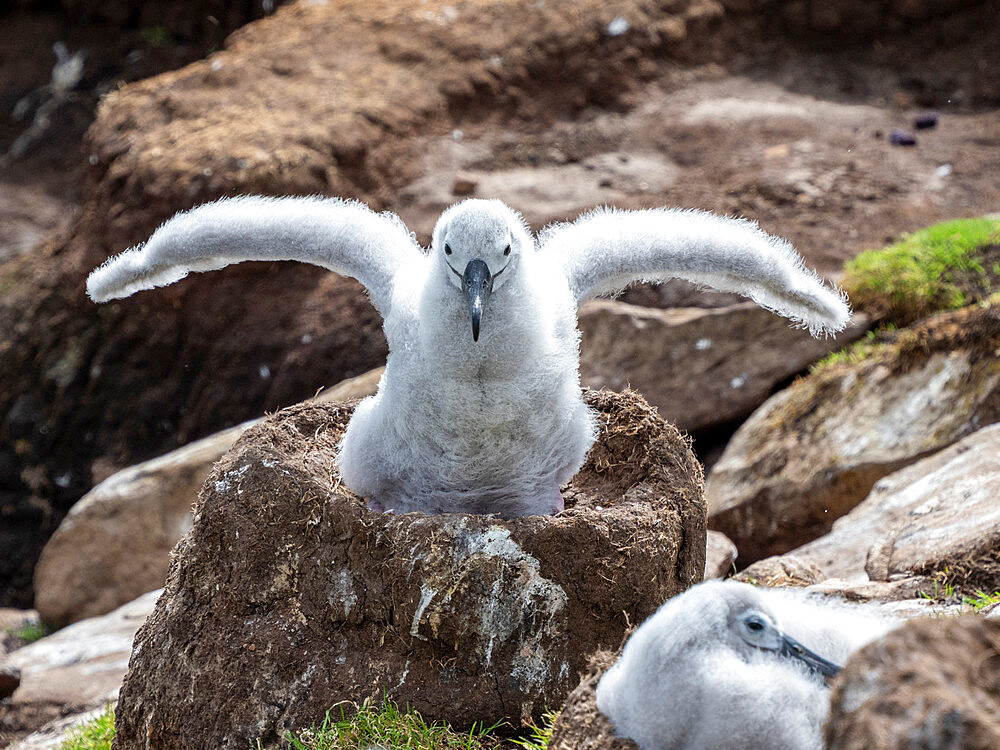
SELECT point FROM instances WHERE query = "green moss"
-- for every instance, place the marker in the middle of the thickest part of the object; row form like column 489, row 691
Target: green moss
column 95, row 734
column 30, row 632
column 942, row 267
column 852, row 354
column 385, row 726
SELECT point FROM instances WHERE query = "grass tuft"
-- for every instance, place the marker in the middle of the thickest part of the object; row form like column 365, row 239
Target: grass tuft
column 539, row 736
column 942, row 267
column 856, row 352
column 376, row 727
column 981, row 600
column 30, row 632
column 372, row 727
column 95, row 734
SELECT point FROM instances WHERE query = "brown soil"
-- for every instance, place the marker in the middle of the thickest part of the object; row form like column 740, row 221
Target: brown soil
column 933, row 683
column 968, row 571
column 581, row 726
column 122, row 42
column 288, row 596
column 384, row 101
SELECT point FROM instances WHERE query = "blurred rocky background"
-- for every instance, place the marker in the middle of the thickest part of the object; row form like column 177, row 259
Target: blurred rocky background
column 841, row 125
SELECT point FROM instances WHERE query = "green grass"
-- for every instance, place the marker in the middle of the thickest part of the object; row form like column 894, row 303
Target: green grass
column 934, row 269
column 30, row 632
column 95, row 734
column 946, row 592
column 375, row 726
column 944, row 588
column 854, row 353
column 371, row 727
column 980, row 599
column 539, row 736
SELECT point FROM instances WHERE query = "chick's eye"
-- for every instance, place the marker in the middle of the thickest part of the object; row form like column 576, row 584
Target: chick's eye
column 754, row 624
column 447, row 249
column 506, row 250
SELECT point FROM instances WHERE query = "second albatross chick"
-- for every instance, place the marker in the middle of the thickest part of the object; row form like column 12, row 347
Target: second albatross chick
column 480, row 408
column 727, row 666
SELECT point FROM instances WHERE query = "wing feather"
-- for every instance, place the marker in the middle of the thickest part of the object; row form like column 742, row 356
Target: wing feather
column 343, row 236
column 606, row 250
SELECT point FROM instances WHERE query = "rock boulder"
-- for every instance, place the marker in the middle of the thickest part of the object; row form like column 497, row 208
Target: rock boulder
column 77, row 669
column 937, row 516
column 720, row 555
column 814, row 451
column 782, row 570
column 933, row 683
column 288, row 596
column 702, row 368
column 951, row 526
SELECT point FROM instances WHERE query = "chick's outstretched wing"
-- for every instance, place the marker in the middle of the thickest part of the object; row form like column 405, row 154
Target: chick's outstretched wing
column 606, row 250
column 343, row 236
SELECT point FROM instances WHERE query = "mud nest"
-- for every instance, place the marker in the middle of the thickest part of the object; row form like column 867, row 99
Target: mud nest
column 288, row 596
column 932, row 683
column 581, row 726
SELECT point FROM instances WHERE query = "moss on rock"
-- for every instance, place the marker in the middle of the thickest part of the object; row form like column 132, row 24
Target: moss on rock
column 942, row 267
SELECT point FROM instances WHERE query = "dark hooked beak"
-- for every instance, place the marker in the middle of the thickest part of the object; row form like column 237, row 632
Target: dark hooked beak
column 815, row 662
column 477, row 284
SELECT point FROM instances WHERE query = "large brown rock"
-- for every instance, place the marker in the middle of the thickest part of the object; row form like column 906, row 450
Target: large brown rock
column 76, row 669
column 937, row 516
column 701, row 368
column 933, row 683
column 115, row 543
column 720, row 555
column 813, row 452
column 288, row 596
column 952, row 524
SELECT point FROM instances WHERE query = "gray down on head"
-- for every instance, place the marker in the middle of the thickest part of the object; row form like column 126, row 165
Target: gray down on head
column 728, row 666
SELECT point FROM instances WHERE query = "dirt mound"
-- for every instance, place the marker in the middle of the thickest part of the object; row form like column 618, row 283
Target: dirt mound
column 933, row 683
column 581, row 726
column 289, row 596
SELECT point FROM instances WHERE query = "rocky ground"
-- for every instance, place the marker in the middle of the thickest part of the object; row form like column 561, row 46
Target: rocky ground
column 782, row 112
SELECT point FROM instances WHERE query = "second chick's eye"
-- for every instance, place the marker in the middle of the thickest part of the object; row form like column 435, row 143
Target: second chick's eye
column 506, row 250
column 447, row 249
